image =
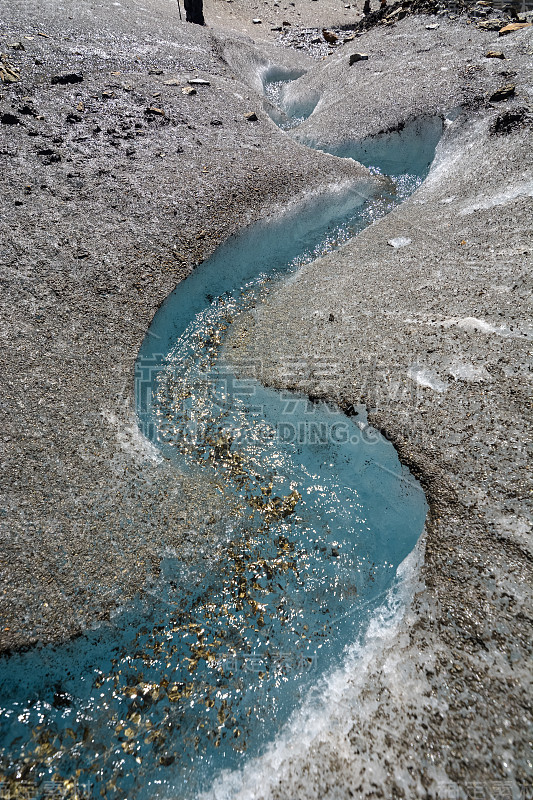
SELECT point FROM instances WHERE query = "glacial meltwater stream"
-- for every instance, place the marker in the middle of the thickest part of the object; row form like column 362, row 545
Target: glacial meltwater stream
column 320, row 515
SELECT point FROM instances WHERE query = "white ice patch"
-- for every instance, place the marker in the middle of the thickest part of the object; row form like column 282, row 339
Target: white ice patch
column 464, row 371
column 514, row 527
column 524, row 189
column 130, row 439
column 400, row 241
column 426, row 377
column 448, row 157
column 476, row 325
column 92, row 51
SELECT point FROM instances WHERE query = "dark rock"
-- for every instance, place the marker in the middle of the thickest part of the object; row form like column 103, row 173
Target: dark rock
column 63, row 80
column 355, row 57
column 503, row 94
column 9, row 119
column 50, row 156
column 251, row 116
column 216, row 123
column 27, row 110
column 509, row 121
column 155, row 71
column 329, row 36
column 16, row 46
column 73, row 118
column 511, row 10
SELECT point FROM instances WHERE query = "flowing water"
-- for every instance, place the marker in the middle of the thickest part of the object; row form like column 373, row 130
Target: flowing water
column 320, row 514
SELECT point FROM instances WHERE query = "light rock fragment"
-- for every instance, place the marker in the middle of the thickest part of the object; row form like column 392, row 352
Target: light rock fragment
column 399, row 241
column 514, row 26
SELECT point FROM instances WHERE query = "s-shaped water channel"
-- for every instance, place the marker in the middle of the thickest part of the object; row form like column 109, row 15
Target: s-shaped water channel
column 320, row 515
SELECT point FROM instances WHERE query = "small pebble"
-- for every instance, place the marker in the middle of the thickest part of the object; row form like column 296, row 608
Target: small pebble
column 400, row 241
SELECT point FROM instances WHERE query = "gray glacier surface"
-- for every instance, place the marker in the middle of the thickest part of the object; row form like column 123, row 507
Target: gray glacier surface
column 132, row 145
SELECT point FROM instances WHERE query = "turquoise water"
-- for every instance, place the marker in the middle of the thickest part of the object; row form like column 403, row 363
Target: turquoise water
column 320, row 514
